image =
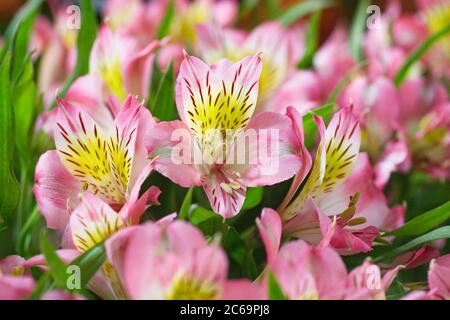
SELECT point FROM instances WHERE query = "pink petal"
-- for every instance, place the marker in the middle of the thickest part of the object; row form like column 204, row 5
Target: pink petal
column 269, row 227
column 56, row 190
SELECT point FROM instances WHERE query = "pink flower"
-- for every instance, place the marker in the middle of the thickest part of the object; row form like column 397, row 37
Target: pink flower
column 269, row 227
column 218, row 143
column 339, row 203
column 15, row 284
column 276, row 44
column 350, row 215
column 173, row 262
column 365, row 282
column 305, row 272
column 436, row 14
column 438, row 281
column 60, row 295
column 333, row 60
column 106, row 158
column 336, row 155
column 55, row 45
column 311, row 272
column 122, row 63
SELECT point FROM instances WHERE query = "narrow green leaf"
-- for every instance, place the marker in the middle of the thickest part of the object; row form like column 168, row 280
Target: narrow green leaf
column 44, row 283
column 9, row 192
column 18, row 32
column 418, row 53
column 440, row 233
column 185, row 206
column 26, row 232
column 357, row 29
column 302, row 9
column 24, row 94
column 162, row 103
column 56, row 266
column 274, row 289
column 164, row 27
column 89, row 262
column 424, row 222
column 253, row 197
column 85, row 40
column 311, row 41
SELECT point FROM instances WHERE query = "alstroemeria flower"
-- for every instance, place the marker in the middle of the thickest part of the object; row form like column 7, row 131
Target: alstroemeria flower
column 276, row 44
column 173, row 261
column 436, row 15
column 106, row 158
column 350, row 215
column 55, row 44
column 335, row 158
column 305, row 272
column 270, row 228
column 339, row 200
column 333, row 60
column 438, row 281
column 122, row 63
column 14, row 284
column 190, row 14
column 365, row 282
column 92, row 222
column 219, row 144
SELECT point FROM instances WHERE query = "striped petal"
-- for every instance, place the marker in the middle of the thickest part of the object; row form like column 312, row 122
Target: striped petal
column 55, row 189
column 92, row 222
column 100, row 160
column 225, row 192
column 335, row 158
column 218, row 98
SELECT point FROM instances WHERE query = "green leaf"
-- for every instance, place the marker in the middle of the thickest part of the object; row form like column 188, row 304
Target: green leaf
column 44, row 283
column 253, row 197
column 418, row 53
column 56, row 266
column 274, row 289
column 234, row 246
column 207, row 221
column 424, row 222
column 27, row 230
column 186, row 205
column 302, row 9
column 89, row 262
column 164, row 26
column 309, row 126
column 357, row 30
column 18, row 32
column 162, row 102
column 396, row 291
column 24, row 94
column 311, row 41
column 85, row 40
column 440, row 233
column 9, row 192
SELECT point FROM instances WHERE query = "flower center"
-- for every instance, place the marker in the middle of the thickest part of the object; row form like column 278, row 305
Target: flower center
column 185, row 288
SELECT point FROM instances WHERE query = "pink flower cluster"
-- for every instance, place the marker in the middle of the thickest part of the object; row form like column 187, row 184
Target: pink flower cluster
column 91, row 187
